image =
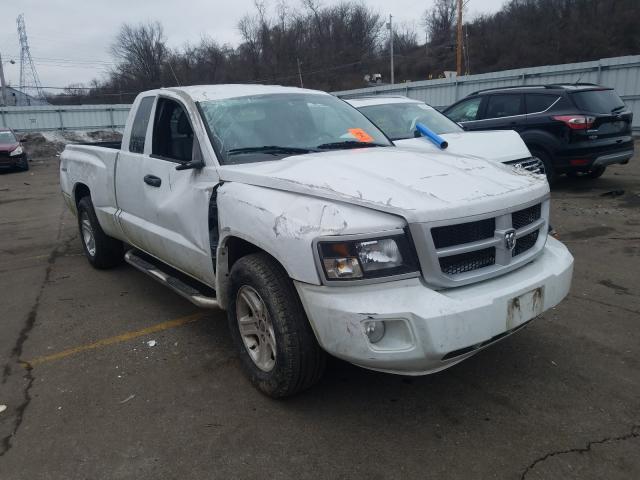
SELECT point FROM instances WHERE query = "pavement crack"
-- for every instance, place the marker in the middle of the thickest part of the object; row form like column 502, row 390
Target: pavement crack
column 23, row 336
column 633, row 433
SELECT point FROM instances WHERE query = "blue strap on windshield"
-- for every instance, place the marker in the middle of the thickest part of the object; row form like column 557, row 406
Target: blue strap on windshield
column 440, row 142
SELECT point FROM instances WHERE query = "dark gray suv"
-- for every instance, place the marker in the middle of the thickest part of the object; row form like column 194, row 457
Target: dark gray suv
column 574, row 129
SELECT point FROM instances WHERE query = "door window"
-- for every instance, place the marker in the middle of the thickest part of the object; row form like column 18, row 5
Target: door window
column 465, row 111
column 172, row 132
column 504, row 106
column 139, row 127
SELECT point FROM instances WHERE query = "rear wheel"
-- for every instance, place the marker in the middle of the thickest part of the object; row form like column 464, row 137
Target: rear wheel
column 277, row 347
column 548, row 165
column 101, row 250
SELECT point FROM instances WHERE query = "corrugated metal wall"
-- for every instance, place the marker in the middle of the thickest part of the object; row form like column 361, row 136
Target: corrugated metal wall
column 58, row 117
column 621, row 73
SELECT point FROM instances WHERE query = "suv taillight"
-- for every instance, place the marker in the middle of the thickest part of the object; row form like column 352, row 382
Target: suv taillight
column 576, row 122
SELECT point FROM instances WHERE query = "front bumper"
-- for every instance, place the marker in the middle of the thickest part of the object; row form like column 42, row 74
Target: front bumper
column 428, row 330
column 7, row 161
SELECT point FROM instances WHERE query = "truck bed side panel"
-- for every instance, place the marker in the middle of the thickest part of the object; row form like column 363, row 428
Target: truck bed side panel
column 94, row 167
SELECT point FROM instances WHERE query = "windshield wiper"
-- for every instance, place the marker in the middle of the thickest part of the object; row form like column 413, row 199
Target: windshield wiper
column 270, row 149
column 617, row 109
column 349, row 144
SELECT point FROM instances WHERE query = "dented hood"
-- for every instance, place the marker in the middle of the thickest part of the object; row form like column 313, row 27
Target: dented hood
column 499, row 146
column 417, row 186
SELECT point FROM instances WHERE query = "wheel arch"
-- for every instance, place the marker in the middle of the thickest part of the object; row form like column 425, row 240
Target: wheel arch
column 231, row 249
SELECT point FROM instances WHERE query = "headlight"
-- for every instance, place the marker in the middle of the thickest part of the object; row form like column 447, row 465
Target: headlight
column 18, row 151
column 367, row 258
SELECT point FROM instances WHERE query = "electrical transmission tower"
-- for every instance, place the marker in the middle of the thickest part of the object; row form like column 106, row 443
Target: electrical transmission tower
column 29, row 80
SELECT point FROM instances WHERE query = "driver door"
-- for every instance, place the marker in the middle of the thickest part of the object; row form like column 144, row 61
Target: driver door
column 174, row 203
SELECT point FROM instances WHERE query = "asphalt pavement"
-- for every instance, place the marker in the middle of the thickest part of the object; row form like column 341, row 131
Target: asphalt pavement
column 108, row 375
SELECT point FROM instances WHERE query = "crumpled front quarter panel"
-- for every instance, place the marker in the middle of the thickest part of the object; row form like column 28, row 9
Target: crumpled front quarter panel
column 285, row 224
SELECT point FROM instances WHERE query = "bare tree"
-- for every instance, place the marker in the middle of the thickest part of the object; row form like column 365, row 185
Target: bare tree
column 140, row 51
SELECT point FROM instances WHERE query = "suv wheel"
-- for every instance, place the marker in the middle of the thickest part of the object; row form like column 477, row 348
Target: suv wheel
column 101, row 250
column 277, row 348
column 548, row 165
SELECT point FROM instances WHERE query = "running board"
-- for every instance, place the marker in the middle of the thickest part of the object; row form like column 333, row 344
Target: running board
column 134, row 258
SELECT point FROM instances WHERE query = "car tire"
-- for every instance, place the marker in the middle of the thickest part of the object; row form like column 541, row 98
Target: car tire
column 549, row 170
column 276, row 345
column 596, row 172
column 24, row 164
column 101, row 250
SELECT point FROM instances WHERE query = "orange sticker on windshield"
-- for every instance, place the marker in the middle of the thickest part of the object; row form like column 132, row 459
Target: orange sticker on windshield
column 361, row 135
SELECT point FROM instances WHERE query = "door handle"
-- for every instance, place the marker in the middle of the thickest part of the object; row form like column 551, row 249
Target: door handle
column 152, row 180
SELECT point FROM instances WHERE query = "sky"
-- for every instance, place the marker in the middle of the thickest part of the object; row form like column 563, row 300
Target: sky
column 69, row 40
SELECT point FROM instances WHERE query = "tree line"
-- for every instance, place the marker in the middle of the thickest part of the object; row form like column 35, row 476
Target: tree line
column 333, row 47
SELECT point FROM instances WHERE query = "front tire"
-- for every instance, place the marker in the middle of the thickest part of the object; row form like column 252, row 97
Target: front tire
column 101, row 250
column 276, row 345
column 24, row 164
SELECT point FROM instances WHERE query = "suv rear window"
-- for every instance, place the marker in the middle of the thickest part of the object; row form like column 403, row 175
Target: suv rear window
column 597, row 101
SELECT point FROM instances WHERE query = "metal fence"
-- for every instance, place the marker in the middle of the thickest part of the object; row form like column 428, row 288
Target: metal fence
column 58, row 117
column 621, row 73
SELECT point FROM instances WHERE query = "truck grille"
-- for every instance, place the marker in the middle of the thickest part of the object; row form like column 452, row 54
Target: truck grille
column 533, row 165
column 526, row 216
column 463, row 233
column 525, row 243
column 482, row 247
column 467, row 262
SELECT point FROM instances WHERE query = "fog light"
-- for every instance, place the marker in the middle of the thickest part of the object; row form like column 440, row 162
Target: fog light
column 374, row 330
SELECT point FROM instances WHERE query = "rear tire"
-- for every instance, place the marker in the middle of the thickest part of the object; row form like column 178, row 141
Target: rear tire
column 549, row 170
column 265, row 312
column 101, row 250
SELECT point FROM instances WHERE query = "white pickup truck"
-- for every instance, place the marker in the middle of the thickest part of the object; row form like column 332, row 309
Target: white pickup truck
column 292, row 211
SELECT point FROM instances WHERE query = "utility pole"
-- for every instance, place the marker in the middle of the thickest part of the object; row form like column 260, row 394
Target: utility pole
column 299, row 73
column 390, row 27
column 3, row 84
column 459, row 42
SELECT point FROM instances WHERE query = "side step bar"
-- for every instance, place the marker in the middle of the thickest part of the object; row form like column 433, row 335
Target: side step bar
column 134, row 258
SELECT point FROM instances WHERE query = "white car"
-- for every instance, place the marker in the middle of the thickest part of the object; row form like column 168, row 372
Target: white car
column 293, row 212
column 398, row 116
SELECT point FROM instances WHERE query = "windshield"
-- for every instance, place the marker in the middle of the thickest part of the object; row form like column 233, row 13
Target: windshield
column 7, row 137
column 265, row 127
column 398, row 120
column 598, row 101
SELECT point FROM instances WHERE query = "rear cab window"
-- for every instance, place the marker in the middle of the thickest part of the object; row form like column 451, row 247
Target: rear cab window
column 140, row 123
column 598, row 101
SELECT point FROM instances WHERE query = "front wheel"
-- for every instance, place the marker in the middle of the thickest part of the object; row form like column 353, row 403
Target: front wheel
column 24, row 164
column 277, row 347
column 101, row 250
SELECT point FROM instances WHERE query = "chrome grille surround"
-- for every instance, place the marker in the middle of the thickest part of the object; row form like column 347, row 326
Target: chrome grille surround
column 435, row 271
column 532, row 164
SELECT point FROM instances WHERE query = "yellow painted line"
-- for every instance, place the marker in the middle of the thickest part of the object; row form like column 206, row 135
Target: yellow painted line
column 113, row 340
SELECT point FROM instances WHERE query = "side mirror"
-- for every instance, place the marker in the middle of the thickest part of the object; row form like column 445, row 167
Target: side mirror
column 193, row 164
column 23, row 140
